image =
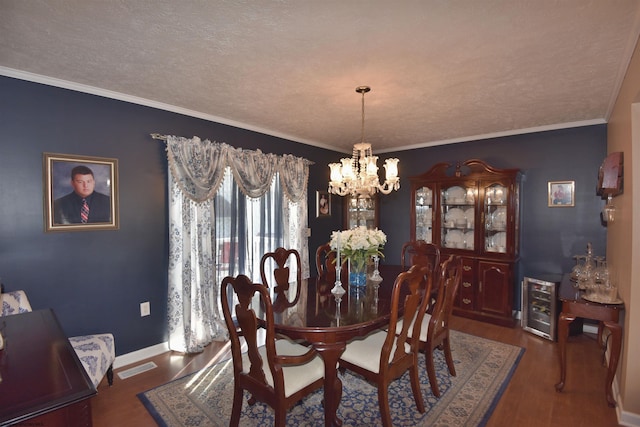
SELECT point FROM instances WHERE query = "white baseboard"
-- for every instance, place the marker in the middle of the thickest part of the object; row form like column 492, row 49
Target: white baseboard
column 138, row 355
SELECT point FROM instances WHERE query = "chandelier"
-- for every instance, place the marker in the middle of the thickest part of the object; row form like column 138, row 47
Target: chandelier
column 358, row 175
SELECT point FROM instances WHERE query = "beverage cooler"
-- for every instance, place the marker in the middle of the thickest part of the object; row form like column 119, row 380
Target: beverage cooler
column 540, row 305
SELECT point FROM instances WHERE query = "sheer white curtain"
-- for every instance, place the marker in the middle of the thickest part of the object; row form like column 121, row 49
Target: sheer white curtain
column 196, row 171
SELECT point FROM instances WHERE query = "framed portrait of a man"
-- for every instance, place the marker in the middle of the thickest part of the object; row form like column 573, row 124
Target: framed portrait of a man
column 80, row 193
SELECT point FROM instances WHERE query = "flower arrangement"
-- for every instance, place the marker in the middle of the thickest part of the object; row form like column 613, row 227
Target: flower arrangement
column 358, row 245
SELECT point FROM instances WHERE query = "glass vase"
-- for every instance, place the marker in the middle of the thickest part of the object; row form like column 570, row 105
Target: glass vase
column 357, row 274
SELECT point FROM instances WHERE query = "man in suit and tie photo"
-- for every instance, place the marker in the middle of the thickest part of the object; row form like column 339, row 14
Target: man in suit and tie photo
column 83, row 205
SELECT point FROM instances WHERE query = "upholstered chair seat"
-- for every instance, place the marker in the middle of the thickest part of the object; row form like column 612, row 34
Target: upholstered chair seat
column 96, row 352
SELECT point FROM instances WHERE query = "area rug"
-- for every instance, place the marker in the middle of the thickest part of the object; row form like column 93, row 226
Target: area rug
column 483, row 369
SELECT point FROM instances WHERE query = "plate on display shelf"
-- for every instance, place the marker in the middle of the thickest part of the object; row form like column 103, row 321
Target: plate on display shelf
column 500, row 239
column 499, row 218
column 468, row 239
column 456, row 215
column 454, row 239
column 455, row 195
column 469, row 215
column 601, row 300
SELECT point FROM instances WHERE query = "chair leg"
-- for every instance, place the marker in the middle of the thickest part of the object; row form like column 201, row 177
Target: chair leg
column 431, row 371
column 415, row 387
column 383, row 402
column 238, row 394
column 449, row 357
column 110, row 375
column 280, row 417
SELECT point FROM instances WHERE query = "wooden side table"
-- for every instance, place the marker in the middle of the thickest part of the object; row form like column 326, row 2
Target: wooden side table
column 573, row 305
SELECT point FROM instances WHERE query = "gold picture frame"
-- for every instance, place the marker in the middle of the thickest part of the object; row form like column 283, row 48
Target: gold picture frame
column 95, row 177
column 561, row 194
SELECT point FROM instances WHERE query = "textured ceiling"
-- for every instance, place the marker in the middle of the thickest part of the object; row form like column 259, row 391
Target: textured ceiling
column 440, row 70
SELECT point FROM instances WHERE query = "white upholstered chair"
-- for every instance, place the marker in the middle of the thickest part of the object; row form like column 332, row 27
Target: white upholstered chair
column 96, row 352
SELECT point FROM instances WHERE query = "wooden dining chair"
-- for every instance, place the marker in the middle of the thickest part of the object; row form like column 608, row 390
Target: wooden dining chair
column 383, row 356
column 427, row 254
column 279, row 281
column 278, row 373
column 326, row 264
column 419, row 252
column 434, row 332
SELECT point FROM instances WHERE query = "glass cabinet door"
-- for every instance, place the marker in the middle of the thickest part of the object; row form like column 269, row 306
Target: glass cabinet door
column 361, row 211
column 424, row 214
column 458, row 216
column 496, row 218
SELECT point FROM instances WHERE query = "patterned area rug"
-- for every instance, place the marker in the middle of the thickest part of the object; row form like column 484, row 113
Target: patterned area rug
column 483, row 369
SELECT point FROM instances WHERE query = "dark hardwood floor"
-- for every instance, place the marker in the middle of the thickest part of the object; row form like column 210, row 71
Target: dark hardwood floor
column 529, row 400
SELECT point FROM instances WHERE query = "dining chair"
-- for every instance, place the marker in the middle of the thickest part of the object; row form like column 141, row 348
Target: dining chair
column 279, row 262
column 383, row 356
column 428, row 254
column 419, row 252
column 434, row 332
column 326, row 264
column 278, row 372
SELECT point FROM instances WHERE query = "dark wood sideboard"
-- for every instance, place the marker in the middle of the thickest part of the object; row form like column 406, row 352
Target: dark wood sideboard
column 42, row 380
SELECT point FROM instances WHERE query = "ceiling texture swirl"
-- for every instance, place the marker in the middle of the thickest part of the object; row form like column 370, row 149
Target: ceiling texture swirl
column 441, row 71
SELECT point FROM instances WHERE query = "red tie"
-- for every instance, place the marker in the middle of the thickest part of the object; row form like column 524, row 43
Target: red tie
column 84, row 212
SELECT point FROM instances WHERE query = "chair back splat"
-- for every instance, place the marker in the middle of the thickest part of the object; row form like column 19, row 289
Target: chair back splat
column 384, row 356
column 278, row 372
column 280, row 282
column 419, row 252
column 437, row 323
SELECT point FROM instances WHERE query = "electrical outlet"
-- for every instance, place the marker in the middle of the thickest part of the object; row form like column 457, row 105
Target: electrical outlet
column 145, row 309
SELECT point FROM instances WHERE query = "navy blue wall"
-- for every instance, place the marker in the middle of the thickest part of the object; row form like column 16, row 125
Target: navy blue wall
column 96, row 280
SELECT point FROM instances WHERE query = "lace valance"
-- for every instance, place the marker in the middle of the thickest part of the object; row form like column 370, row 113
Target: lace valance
column 198, row 168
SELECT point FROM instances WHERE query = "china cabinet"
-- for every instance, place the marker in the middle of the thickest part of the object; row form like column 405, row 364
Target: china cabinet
column 472, row 209
column 361, row 211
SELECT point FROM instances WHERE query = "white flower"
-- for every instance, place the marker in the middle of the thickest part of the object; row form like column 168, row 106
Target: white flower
column 359, row 244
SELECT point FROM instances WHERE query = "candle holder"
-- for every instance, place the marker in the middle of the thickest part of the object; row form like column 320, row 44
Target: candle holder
column 338, row 291
column 375, row 276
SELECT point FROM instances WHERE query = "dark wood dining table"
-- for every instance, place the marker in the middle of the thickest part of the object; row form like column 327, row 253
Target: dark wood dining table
column 314, row 316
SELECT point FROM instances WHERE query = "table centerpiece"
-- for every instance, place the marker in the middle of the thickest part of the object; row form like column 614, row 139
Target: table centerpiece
column 358, row 245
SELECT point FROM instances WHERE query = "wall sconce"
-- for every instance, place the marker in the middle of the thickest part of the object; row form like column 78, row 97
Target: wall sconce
column 610, row 177
column 609, row 210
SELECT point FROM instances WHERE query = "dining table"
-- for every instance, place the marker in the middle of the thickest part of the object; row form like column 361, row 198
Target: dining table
column 312, row 314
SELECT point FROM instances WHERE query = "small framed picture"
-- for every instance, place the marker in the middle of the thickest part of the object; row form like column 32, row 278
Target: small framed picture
column 323, row 204
column 561, row 194
column 80, row 193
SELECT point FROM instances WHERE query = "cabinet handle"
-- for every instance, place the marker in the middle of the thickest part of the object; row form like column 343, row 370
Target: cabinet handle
column 480, row 286
column 466, row 300
column 466, row 284
column 466, row 267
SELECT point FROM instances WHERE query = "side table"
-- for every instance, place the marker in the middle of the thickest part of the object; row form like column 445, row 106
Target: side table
column 573, row 305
